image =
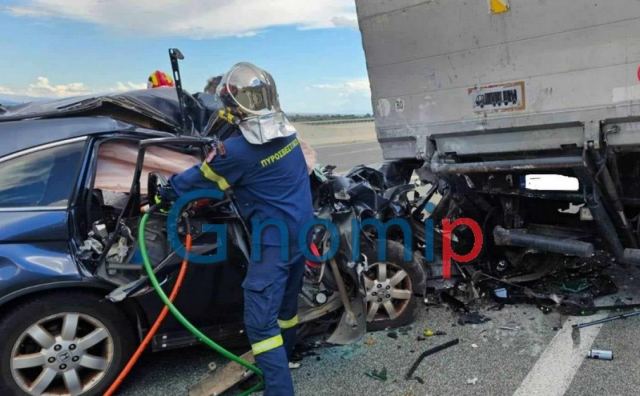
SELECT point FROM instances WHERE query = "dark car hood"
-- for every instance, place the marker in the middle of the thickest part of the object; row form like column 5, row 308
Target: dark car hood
column 151, row 108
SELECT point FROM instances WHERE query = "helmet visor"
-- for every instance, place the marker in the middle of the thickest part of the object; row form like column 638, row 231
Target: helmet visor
column 251, row 88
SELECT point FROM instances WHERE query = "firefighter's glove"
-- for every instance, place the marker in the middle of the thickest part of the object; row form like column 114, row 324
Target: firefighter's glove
column 165, row 198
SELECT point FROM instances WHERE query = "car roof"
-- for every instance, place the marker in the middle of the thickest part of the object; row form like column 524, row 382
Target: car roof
column 160, row 103
column 157, row 108
column 24, row 134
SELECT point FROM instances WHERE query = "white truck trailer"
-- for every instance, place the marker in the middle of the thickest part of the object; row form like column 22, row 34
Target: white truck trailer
column 487, row 97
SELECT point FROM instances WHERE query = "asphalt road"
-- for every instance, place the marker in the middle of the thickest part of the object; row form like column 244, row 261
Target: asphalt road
column 346, row 156
column 520, row 351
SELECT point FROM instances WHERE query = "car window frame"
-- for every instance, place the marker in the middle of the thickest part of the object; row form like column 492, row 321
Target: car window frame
column 47, row 146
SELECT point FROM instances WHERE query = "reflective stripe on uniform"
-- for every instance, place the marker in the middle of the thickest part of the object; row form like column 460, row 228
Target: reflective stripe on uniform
column 209, row 174
column 267, row 345
column 287, row 324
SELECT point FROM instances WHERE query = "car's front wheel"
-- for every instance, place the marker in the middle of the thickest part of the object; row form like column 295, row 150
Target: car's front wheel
column 392, row 286
column 63, row 344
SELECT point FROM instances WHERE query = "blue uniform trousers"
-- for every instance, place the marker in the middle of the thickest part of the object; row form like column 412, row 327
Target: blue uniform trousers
column 271, row 290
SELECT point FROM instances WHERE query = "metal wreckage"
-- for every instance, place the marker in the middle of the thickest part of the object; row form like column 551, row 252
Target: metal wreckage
column 551, row 248
column 528, row 126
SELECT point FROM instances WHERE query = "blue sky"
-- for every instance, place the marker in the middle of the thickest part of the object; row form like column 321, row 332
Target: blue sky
column 66, row 47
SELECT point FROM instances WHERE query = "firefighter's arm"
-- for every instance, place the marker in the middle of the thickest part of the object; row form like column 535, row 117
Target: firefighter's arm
column 220, row 170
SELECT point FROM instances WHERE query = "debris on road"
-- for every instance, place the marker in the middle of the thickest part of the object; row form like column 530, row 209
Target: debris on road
column 605, row 320
column 430, row 333
column 472, row 381
column 472, row 318
column 455, row 304
column 426, row 353
column 600, row 354
column 378, row 375
column 508, row 328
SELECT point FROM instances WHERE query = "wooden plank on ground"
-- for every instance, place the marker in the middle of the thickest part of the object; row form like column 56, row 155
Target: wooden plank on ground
column 222, row 379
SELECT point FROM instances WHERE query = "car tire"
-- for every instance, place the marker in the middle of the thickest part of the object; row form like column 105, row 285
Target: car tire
column 75, row 341
column 393, row 307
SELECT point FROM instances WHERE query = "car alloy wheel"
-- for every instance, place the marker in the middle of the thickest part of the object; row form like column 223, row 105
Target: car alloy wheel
column 63, row 354
column 389, row 291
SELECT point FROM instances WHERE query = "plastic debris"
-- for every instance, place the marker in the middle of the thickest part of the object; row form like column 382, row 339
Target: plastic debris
column 472, row 318
column 392, row 334
column 294, row 365
column 501, row 293
column 455, row 304
column 430, row 333
column 575, row 285
column 378, row 375
column 472, row 381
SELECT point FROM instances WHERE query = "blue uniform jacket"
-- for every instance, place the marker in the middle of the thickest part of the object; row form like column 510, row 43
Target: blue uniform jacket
column 270, row 182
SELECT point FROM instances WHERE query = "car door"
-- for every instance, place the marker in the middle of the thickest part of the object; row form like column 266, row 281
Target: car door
column 36, row 187
column 211, row 295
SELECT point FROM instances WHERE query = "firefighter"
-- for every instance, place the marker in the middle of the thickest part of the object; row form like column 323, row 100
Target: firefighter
column 265, row 167
column 159, row 79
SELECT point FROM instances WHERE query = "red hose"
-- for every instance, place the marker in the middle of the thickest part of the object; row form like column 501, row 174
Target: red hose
column 156, row 325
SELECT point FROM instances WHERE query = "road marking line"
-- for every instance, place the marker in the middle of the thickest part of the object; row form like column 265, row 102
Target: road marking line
column 553, row 372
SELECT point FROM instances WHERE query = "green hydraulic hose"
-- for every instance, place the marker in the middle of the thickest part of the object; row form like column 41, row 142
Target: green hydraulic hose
column 184, row 321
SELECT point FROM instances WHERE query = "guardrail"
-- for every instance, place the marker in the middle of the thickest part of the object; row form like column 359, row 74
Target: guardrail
column 329, row 122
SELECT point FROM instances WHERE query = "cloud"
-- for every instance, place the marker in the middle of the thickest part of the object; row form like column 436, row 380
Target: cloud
column 194, row 18
column 346, row 96
column 6, row 91
column 346, row 88
column 343, row 21
column 43, row 87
